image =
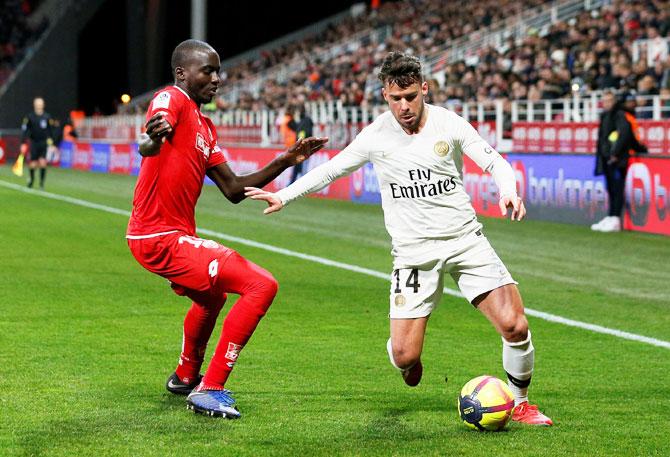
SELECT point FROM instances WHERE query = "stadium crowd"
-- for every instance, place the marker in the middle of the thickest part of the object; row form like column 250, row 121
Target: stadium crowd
column 16, row 33
column 592, row 51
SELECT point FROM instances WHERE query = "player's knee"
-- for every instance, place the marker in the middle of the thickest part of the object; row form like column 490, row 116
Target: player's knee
column 269, row 285
column 514, row 328
column 264, row 287
column 405, row 356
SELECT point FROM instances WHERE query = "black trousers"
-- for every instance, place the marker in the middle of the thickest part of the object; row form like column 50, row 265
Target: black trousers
column 615, row 177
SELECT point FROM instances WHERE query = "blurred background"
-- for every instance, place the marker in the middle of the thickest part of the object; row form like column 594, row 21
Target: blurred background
column 528, row 75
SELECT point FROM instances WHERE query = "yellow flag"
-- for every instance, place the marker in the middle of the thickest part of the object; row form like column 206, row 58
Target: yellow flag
column 17, row 168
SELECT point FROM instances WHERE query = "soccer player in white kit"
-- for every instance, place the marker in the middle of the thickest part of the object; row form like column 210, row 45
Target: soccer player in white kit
column 417, row 152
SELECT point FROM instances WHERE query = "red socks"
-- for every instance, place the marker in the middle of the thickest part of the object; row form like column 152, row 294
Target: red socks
column 257, row 288
column 198, row 326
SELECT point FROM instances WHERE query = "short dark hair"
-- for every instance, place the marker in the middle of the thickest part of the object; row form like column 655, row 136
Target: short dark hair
column 401, row 69
column 184, row 51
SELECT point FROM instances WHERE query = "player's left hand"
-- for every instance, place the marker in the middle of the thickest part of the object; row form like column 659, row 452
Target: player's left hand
column 274, row 202
column 303, row 148
column 518, row 208
column 158, row 128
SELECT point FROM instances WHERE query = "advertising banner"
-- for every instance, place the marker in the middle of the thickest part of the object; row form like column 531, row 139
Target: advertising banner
column 555, row 187
column 647, row 186
column 247, row 160
column 119, row 158
column 582, row 137
column 560, row 188
column 482, row 189
column 100, row 161
column 82, row 156
column 66, row 154
column 365, row 186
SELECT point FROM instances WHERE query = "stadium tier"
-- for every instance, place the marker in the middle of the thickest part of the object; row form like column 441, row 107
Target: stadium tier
column 540, row 53
column 17, row 33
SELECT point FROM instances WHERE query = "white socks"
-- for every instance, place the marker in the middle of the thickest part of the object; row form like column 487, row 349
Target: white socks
column 518, row 362
column 389, row 349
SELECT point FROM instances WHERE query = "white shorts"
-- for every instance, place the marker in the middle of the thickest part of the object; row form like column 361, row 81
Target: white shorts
column 416, row 285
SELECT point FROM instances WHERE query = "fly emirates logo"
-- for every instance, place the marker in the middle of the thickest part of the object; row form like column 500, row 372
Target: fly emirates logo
column 422, row 186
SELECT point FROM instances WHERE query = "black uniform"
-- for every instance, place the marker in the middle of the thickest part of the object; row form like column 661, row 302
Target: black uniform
column 613, row 152
column 303, row 129
column 40, row 130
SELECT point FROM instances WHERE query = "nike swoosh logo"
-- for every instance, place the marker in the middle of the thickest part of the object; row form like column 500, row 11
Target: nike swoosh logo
column 171, row 384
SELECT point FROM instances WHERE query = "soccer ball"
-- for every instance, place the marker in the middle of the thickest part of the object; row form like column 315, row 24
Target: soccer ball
column 485, row 403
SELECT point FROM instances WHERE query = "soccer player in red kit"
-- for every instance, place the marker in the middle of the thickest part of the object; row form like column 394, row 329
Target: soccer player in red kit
column 179, row 149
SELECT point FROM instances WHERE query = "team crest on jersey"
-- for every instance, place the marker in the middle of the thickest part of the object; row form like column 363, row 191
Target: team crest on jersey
column 441, row 148
column 201, row 145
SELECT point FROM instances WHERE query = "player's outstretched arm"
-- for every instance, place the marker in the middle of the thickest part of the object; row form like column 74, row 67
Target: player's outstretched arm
column 158, row 130
column 274, row 202
column 232, row 185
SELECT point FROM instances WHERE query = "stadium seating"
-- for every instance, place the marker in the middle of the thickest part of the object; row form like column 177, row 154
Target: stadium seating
column 591, row 51
column 16, row 34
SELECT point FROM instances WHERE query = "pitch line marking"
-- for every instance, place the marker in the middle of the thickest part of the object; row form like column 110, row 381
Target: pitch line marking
column 345, row 266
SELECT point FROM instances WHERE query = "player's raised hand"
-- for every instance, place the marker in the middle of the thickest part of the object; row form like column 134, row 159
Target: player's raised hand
column 518, row 208
column 274, row 202
column 158, row 128
column 303, row 148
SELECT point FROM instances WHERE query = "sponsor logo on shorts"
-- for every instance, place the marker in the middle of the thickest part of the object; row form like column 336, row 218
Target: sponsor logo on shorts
column 400, row 301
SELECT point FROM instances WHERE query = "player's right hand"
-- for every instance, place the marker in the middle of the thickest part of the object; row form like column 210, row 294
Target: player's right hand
column 303, row 148
column 516, row 204
column 274, row 202
column 158, row 128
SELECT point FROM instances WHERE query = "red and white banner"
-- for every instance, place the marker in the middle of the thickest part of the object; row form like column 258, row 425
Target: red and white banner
column 247, row 160
column 82, row 156
column 481, row 187
column 3, row 152
column 647, row 186
column 120, row 158
column 581, row 137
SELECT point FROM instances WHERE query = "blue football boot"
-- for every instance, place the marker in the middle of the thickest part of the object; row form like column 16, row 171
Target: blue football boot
column 215, row 403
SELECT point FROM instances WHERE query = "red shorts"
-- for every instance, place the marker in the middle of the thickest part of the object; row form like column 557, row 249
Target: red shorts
column 190, row 263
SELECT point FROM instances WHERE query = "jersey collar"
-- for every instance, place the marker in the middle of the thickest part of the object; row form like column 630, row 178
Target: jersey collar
column 182, row 91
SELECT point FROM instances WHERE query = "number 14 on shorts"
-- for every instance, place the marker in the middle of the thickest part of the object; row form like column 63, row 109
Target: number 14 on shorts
column 414, row 292
column 411, row 282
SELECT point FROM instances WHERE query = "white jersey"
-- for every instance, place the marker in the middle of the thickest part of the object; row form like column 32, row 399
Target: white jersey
column 420, row 175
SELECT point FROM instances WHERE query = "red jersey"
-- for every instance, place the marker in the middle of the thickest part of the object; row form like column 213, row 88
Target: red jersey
column 170, row 183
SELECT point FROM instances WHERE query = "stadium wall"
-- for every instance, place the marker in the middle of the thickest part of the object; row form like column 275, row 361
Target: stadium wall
column 50, row 68
column 555, row 187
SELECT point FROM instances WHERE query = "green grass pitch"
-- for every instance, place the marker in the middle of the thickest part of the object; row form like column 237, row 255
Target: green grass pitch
column 87, row 338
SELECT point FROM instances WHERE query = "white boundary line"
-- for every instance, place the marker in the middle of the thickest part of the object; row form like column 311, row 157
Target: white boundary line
column 344, row 266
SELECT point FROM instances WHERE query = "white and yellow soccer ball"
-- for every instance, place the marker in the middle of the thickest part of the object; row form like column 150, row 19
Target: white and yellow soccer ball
column 486, row 403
